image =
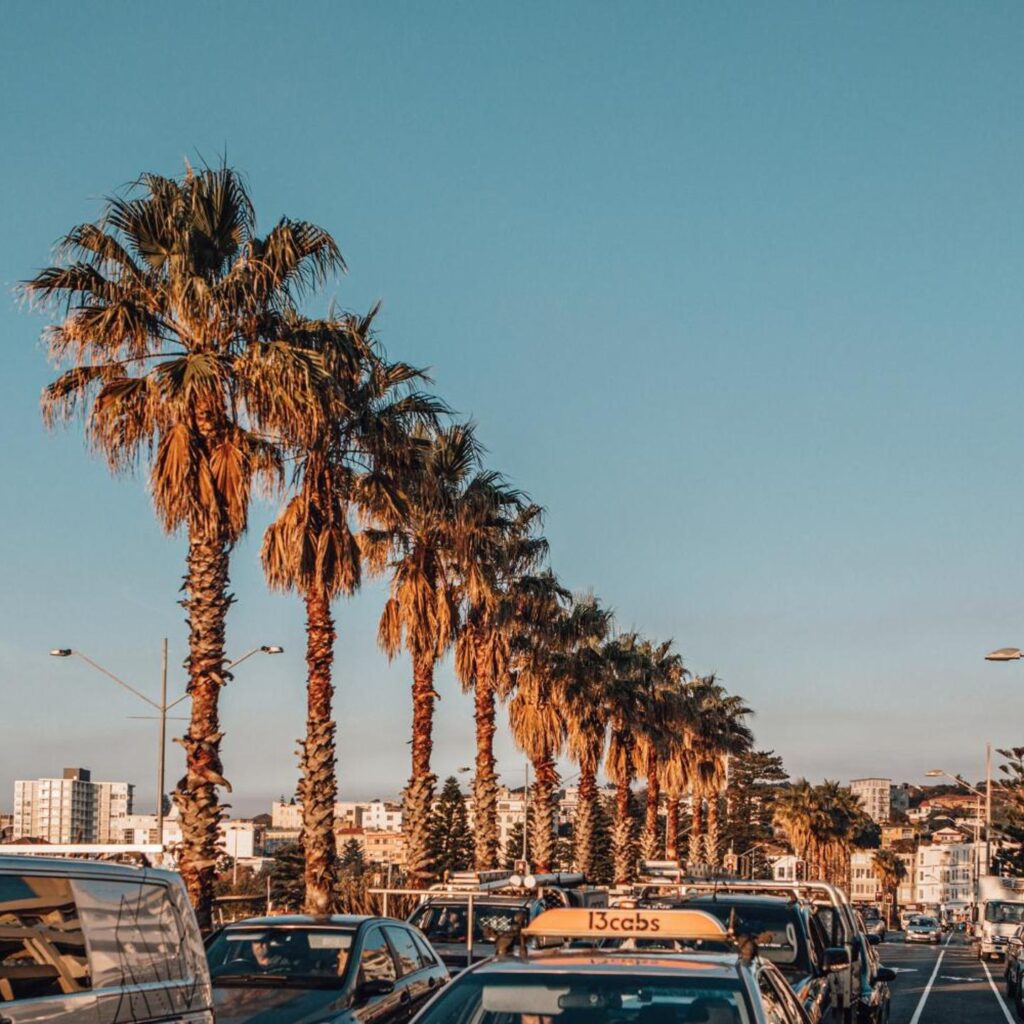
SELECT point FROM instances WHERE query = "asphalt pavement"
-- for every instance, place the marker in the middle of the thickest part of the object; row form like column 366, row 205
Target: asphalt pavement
column 945, row 984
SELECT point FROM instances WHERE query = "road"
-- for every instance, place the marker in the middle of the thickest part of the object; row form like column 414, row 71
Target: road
column 946, row 984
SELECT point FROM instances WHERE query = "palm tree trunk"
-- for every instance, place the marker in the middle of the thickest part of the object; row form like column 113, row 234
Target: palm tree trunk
column 418, row 797
column 695, row 852
column 649, row 839
column 207, row 602
column 583, row 826
column 318, row 785
column 672, row 828
column 711, row 852
column 485, row 781
column 542, row 814
column 623, row 838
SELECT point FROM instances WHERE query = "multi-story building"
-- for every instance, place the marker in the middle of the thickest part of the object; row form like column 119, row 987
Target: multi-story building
column 897, row 834
column 371, row 814
column 899, row 798
column 874, row 795
column 381, row 815
column 864, row 884
column 944, row 873
column 286, row 816
column 71, row 809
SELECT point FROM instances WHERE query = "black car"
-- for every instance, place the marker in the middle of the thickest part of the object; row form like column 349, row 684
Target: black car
column 321, row 970
column 788, row 934
column 873, row 1002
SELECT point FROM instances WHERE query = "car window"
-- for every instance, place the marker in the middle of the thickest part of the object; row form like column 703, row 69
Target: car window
column 375, row 960
column 775, row 1008
column 314, row 953
column 406, row 953
column 787, row 999
column 134, row 933
column 42, row 949
column 427, row 956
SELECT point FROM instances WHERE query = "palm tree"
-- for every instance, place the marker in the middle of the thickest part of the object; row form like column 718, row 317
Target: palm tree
column 345, row 467
column 626, row 694
column 504, row 551
column 891, row 871
column 719, row 732
column 173, row 331
column 423, row 546
column 585, row 712
column 665, row 716
column 546, row 623
column 675, row 780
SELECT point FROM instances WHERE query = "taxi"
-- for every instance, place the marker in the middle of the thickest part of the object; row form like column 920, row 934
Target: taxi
column 663, row 967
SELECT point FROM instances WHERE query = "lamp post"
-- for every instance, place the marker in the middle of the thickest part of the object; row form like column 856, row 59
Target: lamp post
column 936, row 773
column 162, row 708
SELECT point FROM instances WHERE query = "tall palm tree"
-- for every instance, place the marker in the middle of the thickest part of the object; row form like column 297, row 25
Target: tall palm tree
column 502, row 552
column 171, row 329
column 423, row 546
column 719, row 732
column 675, row 780
column 545, row 628
column 665, row 717
column 346, row 466
column 585, row 712
column 627, row 695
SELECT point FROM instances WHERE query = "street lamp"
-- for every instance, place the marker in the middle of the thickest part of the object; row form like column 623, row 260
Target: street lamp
column 162, row 708
column 937, row 773
column 1005, row 654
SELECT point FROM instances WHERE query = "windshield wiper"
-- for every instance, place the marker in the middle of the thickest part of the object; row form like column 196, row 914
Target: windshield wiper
column 282, row 980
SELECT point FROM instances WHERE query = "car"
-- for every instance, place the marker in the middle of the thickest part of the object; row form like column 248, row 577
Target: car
column 342, row 969
column 90, row 941
column 670, row 967
column 874, row 999
column 789, row 934
column 922, row 928
column 1012, row 961
column 874, row 923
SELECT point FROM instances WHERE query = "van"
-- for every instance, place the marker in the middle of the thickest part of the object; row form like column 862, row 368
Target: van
column 98, row 943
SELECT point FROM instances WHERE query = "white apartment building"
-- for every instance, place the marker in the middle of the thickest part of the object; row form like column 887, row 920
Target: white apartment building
column 944, row 873
column 71, row 809
column 864, row 884
column 382, row 815
column 875, row 797
column 286, row 815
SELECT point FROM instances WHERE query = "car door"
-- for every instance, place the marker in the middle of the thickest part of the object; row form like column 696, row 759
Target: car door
column 376, row 996
column 414, row 981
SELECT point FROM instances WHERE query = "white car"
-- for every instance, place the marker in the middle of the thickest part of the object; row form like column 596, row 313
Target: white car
column 923, row 929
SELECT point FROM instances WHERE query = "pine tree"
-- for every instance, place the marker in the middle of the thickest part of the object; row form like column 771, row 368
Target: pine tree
column 1010, row 814
column 451, row 838
column 287, row 889
column 514, row 846
column 754, row 781
column 352, row 861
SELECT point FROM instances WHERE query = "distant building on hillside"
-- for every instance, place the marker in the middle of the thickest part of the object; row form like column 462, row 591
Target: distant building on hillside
column 875, row 797
column 864, row 884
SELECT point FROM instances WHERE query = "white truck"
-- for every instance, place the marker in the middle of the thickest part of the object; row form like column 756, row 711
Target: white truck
column 1000, row 912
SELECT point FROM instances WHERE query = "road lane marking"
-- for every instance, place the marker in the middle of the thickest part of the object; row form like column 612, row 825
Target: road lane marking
column 924, row 995
column 999, row 995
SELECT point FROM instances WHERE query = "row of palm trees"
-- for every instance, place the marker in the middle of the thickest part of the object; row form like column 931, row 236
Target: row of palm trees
column 181, row 340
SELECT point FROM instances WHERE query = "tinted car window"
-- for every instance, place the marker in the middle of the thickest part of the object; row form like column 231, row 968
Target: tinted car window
column 297, row 952
column 375, row 962
column 427, row 957
column 777, row 927
column 42, row 948
column 405, row 950
column 525, row 998
column 446, row 922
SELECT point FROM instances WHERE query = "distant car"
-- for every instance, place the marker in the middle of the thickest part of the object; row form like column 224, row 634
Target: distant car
column 874, row 923
column 923, row 929
column 874, row 1000
column 321, row 970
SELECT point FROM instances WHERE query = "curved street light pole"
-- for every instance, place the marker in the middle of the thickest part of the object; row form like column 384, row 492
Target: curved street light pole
column 162, row 708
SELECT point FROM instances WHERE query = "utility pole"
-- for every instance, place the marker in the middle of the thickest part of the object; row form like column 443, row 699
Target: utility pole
column 161, row 764
column 988, row 808
column 526, row 806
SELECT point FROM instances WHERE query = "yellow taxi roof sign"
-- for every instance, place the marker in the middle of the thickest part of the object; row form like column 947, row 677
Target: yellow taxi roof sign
column 577, row 923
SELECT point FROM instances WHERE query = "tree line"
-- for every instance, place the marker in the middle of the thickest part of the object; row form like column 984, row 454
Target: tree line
column 181, row 340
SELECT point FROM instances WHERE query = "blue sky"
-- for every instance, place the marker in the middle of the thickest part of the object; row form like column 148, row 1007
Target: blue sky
column 732, row 289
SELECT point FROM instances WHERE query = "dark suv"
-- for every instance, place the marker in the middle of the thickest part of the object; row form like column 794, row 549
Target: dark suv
column 788, row 932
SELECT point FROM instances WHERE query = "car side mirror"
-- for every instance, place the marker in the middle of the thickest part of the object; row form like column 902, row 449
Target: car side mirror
column 885, row 974
column 837, row 958
column 873, row 938
column 375, row 987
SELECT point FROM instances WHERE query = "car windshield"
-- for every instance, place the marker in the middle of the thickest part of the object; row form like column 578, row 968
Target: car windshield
column 1004, row 913
column 446, row 922
column 923, row 922
column 276, row 952
column 587, row 999
column 870, row 914
column 776, row 927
